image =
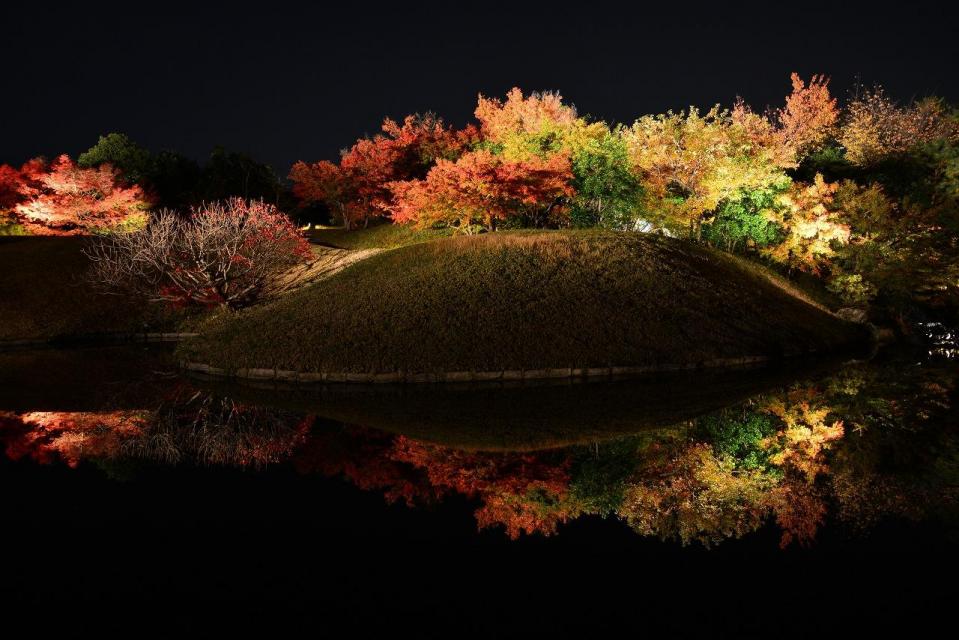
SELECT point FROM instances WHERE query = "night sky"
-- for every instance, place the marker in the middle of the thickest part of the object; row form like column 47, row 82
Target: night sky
column 302, row 84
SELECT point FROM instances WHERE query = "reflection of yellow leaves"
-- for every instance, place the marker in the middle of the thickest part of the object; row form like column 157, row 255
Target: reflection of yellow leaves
column 696, row 495
column 806, row 434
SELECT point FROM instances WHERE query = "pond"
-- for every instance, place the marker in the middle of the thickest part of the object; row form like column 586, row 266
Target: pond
column 111, row 454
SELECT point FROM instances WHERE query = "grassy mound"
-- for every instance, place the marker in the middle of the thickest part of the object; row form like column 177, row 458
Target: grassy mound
column 521, row 300
column 45, row 295
column 379, row 236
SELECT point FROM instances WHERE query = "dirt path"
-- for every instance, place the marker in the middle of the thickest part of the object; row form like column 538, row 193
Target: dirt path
column 326, row 261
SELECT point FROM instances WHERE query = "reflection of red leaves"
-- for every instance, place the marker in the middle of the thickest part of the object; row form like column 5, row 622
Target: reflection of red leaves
column 48, row 436
column 524, row 492
column 363, row 456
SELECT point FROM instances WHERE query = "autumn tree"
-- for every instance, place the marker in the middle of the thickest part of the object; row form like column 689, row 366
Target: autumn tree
column 539, row 126
column 481, row 189
column 226, row 254
column 522, row 126
column 811, row 224
column 356, row 189
column 64, row 199
column 810, row 115
column 689, row 163
column 875, row 127
column 329, row 183
column 10, row 187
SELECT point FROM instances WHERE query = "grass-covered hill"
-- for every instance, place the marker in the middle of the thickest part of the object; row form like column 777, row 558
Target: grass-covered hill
column 46, row 296
column 525, row 300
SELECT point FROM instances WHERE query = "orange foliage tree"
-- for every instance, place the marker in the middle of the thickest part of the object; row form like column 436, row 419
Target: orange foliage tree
column 64, row 199
column 539, row 114
column 356, row 189
column 480, row 189
column 875, row 127
column 809, row 118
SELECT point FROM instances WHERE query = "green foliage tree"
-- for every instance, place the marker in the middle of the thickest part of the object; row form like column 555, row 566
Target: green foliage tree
column 608, row 194
column 745, row 221
column 135, row 163
column 233, row 174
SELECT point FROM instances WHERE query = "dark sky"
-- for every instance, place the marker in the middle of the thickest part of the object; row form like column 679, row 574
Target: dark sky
column 294, row 84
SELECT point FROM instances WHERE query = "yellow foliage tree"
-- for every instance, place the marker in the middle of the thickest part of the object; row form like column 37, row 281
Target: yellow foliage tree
column 807, row 215
column 875, row 127
column 689, row 163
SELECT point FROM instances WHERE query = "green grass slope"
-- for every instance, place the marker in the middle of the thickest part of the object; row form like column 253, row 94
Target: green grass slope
column 378, row 236
column 44, row 296
column 522, row 300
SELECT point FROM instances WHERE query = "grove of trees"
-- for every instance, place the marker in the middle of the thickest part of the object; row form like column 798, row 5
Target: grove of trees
column 863, row 196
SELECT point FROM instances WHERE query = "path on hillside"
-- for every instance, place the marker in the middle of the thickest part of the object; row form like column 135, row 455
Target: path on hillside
column 325, row 262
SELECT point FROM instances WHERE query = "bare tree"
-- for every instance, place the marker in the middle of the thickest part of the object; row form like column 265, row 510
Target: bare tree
column 223, row 254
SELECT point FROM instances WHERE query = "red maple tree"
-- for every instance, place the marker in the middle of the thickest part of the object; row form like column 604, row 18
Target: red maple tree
column 481, row 189
column 61, row 198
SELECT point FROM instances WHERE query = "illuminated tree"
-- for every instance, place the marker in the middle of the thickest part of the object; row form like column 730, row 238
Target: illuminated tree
column 875, row 127
column 330, row 184
column 608, row 194
column 357, row 188
column 811, row 225
column 10, row 185
column 690, row 163
column 809, row 118
column 520, row 126
column 64, row 199
column 224, row 254
column 481, row 189
column 747, row 221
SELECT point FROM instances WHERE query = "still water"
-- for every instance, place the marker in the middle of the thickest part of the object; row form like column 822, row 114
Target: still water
column 110, row 453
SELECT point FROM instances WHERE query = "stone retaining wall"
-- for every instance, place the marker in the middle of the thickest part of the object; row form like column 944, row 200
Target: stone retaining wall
column 107, row 338
column 458, row 376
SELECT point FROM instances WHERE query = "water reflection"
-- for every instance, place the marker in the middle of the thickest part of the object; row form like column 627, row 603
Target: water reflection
column 691, row 459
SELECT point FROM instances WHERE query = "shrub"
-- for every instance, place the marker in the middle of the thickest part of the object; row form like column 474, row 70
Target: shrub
column 225, row 254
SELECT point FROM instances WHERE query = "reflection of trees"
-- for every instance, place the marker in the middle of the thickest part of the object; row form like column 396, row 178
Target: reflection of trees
column 364, row 457
column 525, row 492
column 213, row 429
column 46, row 436
column 865, row 444
column 901, row 459
column 201, row 427
column 760, row 463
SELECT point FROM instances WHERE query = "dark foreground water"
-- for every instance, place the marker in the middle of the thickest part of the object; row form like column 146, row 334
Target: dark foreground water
column 802, row 500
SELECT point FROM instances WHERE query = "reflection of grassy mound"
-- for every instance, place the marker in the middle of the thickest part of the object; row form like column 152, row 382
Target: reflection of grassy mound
column 529, row 416
column 525, row 301
column 86, row 379
column 45, row 295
